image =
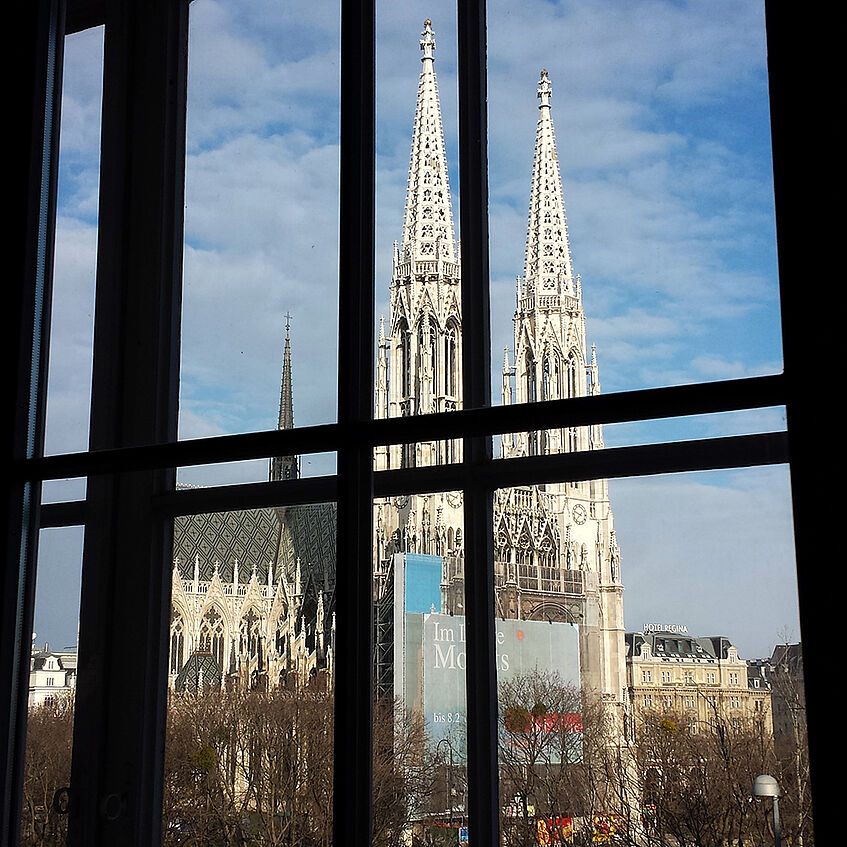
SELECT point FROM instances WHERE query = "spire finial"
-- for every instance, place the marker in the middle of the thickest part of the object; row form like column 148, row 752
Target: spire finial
column 427, row 40
column 545, row 89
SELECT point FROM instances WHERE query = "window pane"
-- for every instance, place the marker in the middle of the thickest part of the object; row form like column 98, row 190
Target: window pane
column 72, row 318
column 658, row 652
column 256, row 470
column 660, row 250
column 683, row 428
column 261, row 221
column 249, row 751
column 63, row 490
column 420, row 737
column 52, row 684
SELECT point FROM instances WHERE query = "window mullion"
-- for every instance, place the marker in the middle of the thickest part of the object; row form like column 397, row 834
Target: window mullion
column 476, row 355
column 119, row 726
column 40, row 36
column 353, row 732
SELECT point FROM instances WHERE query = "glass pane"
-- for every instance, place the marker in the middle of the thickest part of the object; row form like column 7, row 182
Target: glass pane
column 631, row 198
column 418, row 301
column 249, row 752
column 257, row 470
column 420, row 737
column 684, row 428
column 63, row 490
column 657, row 651
column 72, row 317
column 52, row 683
column 261, row 220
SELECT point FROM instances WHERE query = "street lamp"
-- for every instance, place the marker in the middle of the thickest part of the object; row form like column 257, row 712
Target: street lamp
column 767, row 786
column 449, row 777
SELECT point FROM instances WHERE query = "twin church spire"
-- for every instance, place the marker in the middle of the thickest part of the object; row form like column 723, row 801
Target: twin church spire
column 419, row 359
column 428, row 221
column 548, row 268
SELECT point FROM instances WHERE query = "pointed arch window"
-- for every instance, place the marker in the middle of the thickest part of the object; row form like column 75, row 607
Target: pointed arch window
column 212, row 635
column 405, row 362
column 451, row 360
column 177, row 658
column 249, row 634
column 530, row 378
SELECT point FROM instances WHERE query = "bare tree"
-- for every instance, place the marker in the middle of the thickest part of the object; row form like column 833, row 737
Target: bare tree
column 541, row 750
column 47, row 768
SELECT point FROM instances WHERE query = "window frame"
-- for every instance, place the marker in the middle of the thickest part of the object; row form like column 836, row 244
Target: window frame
column 130, row 467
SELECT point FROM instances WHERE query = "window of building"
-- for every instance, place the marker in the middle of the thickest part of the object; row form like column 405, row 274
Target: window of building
column 130, row 462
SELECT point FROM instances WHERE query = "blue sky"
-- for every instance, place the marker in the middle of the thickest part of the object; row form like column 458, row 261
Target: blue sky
column 662, row 130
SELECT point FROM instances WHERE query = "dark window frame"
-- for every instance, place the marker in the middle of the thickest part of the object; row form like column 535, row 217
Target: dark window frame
column 131, row 499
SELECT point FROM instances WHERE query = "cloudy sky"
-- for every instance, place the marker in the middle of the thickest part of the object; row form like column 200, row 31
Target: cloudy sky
column 661, row 120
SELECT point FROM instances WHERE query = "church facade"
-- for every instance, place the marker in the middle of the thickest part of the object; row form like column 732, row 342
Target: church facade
column 254, row 592
column 556, row 554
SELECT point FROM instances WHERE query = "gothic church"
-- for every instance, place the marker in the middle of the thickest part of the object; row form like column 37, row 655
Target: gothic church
column 254, row 592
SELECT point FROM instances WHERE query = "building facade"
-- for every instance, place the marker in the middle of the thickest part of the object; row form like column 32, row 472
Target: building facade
column 52, row 676
column 700, row 680
column 556, row 554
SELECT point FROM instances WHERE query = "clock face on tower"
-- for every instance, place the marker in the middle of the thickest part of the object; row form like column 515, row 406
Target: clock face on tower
column 580, row 514
column 454, row 499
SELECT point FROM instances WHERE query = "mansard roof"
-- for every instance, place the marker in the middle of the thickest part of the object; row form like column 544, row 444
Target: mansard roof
column 675, row 645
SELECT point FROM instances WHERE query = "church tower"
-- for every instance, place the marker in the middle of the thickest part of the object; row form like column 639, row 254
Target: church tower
column 557, row 555
column 419, row 366
column 419, row 357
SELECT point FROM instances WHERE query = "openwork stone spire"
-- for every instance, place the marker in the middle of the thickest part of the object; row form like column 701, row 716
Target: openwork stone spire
column 547, row 265
column 428, row 222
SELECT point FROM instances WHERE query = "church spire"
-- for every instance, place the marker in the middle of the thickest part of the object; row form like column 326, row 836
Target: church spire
column 548, row 269
column 286, row 467
column 428, row 222
column 286, row 397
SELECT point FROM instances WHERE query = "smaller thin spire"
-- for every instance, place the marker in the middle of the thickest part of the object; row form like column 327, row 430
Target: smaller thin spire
column 286, row 467
column 286, row 397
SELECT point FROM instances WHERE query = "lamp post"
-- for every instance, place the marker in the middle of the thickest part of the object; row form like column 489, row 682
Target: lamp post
column 449, row 777
column 767, row 786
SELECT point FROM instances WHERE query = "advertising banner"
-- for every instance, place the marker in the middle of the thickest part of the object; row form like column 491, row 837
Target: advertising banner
column 430, row 649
